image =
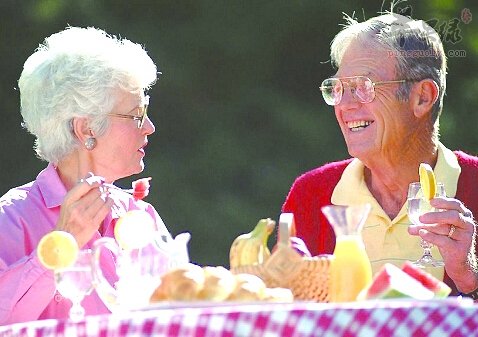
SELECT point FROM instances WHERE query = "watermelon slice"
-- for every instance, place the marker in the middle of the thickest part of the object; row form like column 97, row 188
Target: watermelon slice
column 439, row 288
column 392, row 282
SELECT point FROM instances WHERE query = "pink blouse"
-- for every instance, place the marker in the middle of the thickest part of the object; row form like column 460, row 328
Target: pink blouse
column 27, row 289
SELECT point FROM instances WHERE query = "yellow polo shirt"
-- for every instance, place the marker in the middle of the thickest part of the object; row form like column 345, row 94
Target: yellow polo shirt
column 387, row 240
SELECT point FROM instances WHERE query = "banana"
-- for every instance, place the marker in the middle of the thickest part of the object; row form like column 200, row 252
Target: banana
column 251, row 248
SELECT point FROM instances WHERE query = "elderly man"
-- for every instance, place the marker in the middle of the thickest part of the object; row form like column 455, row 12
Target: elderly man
column 387, row 95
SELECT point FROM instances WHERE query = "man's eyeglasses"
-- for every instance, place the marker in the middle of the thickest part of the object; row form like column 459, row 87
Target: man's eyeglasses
column 142, row 113
column 361, row 87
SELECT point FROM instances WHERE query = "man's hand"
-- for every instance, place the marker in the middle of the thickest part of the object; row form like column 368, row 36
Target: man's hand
column 452, row 230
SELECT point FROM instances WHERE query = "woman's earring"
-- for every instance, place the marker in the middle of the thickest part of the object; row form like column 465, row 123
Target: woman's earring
column 90, row 143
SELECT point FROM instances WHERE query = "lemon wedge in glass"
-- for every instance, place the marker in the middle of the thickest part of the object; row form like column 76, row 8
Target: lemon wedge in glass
column 427, row 181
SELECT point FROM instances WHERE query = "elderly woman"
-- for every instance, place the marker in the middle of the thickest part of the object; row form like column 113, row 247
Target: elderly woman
column 387, row 95
column 83, row 98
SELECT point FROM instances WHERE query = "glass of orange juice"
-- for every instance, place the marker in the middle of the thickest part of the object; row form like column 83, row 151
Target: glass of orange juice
column 350, row 270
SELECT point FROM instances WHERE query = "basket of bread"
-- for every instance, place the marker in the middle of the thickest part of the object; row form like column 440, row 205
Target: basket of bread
column 193, row 283
column 289, row 266
column 255, row 274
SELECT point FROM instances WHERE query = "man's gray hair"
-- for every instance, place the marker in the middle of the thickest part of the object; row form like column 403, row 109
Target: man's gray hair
column 416, row 46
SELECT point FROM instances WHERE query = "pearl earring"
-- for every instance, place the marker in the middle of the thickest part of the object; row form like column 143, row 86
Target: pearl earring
column 90, row 143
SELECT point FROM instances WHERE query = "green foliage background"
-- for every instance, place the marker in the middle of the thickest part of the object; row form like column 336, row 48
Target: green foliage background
column 238, row 111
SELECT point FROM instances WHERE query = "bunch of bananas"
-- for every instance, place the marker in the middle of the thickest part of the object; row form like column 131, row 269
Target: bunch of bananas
column 251, row 248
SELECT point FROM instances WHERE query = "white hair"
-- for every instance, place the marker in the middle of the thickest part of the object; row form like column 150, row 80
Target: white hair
column 75, row 73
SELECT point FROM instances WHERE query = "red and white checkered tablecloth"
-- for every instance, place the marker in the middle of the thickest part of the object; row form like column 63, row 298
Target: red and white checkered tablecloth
column 450, row 317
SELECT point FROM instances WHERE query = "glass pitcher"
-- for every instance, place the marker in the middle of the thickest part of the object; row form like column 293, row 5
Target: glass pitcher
column 350, row 269
column 138, row 271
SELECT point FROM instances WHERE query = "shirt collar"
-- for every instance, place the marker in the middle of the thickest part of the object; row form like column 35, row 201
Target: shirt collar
column 51, row 187
column 447, row 170
column 352, row 189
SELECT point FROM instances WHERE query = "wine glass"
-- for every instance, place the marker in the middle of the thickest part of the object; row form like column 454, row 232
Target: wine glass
column 75, row 282
column 418, row 205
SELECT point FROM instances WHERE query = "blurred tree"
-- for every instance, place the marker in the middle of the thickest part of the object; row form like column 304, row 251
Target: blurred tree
column 238, row 111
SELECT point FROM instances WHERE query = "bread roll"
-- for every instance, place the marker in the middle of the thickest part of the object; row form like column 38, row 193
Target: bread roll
column 248, row 288
column 278, row 295
column 218, row 285
column 180, row 284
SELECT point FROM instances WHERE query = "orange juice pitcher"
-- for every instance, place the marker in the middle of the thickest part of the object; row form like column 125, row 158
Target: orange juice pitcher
column 350, row 270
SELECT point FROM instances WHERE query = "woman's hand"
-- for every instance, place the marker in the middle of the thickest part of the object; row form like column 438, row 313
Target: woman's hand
column 84, row 208
column 452, row 230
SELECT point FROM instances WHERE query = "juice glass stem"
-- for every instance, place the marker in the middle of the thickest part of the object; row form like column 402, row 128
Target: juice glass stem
column 77, row 312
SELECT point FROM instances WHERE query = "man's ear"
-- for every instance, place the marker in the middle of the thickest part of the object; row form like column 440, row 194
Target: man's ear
column 423, row 95
column 81, row 129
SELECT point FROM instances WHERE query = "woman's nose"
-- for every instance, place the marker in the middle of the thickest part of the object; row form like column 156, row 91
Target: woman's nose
column 148, row 126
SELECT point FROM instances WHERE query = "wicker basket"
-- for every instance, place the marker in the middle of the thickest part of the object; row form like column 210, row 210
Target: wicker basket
column 306, row 277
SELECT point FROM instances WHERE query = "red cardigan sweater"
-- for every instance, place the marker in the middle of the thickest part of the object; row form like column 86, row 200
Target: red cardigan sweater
column 313, row 190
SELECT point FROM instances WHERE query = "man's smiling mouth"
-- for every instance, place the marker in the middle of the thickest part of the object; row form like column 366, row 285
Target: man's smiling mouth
column 358, row 125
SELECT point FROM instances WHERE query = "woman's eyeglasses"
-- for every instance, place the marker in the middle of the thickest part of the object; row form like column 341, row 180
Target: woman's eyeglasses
column 142, row 113
column 361, row 87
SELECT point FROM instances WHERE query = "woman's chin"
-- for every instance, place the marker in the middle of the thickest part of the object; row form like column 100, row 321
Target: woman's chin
column 136, row 170
column 140, row 168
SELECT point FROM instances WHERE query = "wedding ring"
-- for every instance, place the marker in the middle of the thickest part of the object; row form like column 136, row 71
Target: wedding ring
column 467, row 214
column 452, row 230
